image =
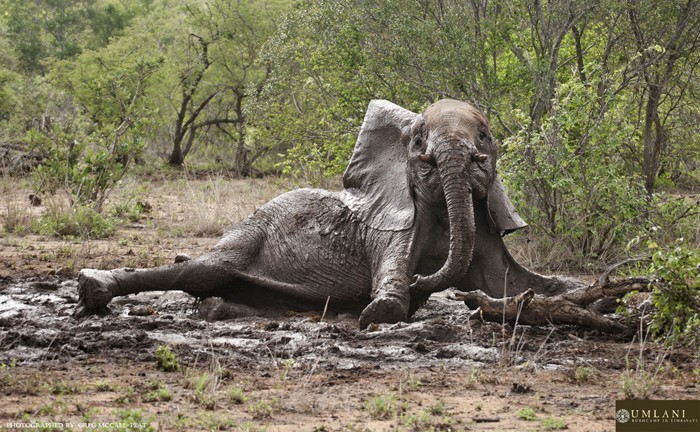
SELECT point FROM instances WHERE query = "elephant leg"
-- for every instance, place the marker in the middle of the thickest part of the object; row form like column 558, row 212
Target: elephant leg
column 204, row 275
column 390, row 302
column 390, row 288
column 201, row 275
column 218, row 309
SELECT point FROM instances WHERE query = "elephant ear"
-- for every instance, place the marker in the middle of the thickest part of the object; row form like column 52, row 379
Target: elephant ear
column 502, row 215
column 376, row 180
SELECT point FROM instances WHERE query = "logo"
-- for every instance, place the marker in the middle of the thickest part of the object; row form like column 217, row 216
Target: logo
column 622, row 416
column 657, row 415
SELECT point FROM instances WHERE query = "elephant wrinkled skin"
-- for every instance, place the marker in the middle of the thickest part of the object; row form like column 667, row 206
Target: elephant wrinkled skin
column 422, row 209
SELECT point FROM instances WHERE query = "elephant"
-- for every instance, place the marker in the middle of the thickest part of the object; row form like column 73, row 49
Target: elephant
column 422, row 209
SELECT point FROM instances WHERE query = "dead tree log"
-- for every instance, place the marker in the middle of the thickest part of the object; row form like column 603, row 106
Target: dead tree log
column 567, row 308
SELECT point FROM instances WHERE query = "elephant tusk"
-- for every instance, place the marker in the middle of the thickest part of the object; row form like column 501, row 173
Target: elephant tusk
column 427, row 159
column 479, row 157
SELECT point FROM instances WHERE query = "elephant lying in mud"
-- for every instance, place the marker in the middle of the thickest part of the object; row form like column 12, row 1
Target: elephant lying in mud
column 422, row 210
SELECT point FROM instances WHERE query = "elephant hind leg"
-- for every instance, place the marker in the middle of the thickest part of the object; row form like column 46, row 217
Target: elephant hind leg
column 218, row 309
column 202, row 276
column 95, row 290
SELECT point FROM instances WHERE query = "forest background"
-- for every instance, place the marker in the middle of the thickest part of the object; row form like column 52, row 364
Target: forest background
column 596, row 105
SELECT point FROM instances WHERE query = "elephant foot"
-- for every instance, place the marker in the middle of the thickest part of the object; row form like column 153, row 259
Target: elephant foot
column 383, row 310
column 218, row 309
column 95, row 290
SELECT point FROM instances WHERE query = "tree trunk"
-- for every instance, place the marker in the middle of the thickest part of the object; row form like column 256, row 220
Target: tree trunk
column 571, row 307
column 653, row 138
column 177, row 158
column 242, row 164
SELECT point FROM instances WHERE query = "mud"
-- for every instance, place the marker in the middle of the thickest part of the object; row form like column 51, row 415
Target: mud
column 36, row 325
column 304, row 370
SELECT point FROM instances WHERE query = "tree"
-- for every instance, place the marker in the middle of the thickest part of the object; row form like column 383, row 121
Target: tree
column 666, row 35
column 90, row 150
column 62, row 29
column 218, row 71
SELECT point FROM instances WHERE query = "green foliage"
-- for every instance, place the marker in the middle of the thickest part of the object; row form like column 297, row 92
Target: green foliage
column 205, row 390
column 236, row 395
column 570, row 179
column 527, row 414
column 133, row 212
column 161, row 394
column 75, row 222
column 263, row 409
column 676, row 294
column 60, row 387
column 8, row 99
column 551, row 424
column 383, row 406
column 87, row 175
column 45, row 29
column 640, row 382
column 166, row 360
column 127, row 418
column 583, row 374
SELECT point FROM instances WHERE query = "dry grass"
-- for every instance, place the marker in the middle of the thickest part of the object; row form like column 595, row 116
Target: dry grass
column 185, row 215
column 215, row 203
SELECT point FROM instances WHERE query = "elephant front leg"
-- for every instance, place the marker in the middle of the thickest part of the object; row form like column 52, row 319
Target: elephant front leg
column 390, row 293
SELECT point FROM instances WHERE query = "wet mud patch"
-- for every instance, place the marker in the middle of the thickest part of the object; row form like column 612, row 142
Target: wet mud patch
column 440, row 371
column 36, row 324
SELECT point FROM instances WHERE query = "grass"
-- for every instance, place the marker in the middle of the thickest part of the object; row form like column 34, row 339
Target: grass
column 161, row 394
column 640, row 379
column 263, row 409
column 102, row 386
column 236, row 395
column 61, row 387
column 382, row 406
column 583, row 374
column 552, row 424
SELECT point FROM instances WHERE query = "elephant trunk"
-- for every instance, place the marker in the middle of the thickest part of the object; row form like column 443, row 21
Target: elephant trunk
column 454, row 169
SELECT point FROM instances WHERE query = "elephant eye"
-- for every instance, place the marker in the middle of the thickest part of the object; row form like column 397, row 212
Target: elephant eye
column 482, row 135
column 418, row 142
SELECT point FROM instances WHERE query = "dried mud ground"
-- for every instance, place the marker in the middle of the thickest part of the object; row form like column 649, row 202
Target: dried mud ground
column 298, row 372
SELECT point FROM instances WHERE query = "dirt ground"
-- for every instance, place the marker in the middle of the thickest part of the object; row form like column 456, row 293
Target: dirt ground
column 299, row 372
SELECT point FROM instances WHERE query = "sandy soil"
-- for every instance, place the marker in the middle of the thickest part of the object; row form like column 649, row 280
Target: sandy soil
column 295, row 372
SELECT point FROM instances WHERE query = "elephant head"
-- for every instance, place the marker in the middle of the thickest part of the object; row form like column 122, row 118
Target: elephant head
column 444, row 158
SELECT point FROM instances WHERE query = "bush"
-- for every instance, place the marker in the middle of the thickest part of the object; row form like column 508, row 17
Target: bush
column 87, row 174
column 676, row 294
column 166, row 360
column 80, row 221
column 570, row 180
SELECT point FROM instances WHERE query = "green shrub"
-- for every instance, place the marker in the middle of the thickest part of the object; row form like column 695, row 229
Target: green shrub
column 166, row 360
column 551, row 423
column 80, row 221
column 569, row 179
column 157, row 395
column 527, row 414
column 134, row 419
column 86, row 173
column 383, row 406
column 676, row 294
column 236, row 395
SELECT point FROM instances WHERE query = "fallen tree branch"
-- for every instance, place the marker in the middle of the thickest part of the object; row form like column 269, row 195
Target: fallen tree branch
column 566, row 308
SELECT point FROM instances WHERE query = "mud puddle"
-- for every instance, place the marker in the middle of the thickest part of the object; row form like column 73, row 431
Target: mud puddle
column 36, row 325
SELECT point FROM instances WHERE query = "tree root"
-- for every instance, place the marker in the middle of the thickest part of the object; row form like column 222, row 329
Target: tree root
column 571, row 307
